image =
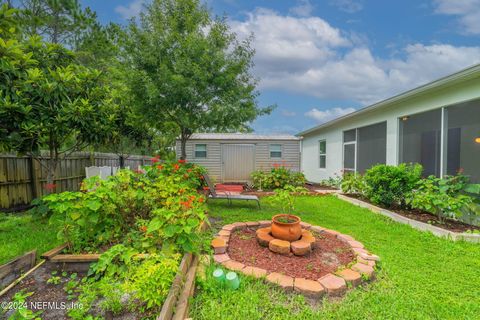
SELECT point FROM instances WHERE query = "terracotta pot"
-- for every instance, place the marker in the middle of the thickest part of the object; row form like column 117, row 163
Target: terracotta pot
column 289, row 231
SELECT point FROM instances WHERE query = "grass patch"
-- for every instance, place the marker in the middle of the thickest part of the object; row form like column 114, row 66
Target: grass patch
column 22, row 232
column 421, row 276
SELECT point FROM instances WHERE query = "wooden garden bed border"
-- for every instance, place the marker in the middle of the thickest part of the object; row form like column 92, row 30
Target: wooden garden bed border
column 17, row 265
column 175, row 306
column 439, row 232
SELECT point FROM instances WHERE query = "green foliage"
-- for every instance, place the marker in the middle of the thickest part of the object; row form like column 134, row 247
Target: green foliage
column 188, row 69
column 147, row 208
column 334, row 182
column 21, row 310
column 277, row 178
column 152, row 279
column 353, row 183
column 441, row 196
column 391, row 185
column 285, row 198
column 57, row 21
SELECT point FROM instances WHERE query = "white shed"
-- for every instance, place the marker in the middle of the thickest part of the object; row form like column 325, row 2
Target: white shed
column 232, row 157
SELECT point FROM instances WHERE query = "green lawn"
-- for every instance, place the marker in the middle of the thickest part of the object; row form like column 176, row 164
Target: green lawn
column 420, row 276
column 20, row 233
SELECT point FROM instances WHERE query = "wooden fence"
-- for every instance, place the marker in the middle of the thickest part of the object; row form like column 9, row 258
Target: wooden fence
column 22, row 179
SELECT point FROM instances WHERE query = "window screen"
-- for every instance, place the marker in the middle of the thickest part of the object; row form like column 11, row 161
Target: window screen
column 349, row 157
column 323, row 154
column 200, row 151
column 275, row 151
column 371, row 146
column 463, row 140
column 350, row 135
column 420, row 140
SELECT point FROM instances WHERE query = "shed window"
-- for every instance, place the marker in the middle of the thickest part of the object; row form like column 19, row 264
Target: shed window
column 323, row 153
column 200, row 151
column 275, row 151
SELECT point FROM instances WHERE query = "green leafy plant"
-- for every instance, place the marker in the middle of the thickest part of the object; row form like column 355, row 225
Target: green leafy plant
column 21, row 310
column 285, row 198
column 333, row 182
column 54, row 280
column 353, row 183
column 391, row 185
column 441, row 196
column 277, row 178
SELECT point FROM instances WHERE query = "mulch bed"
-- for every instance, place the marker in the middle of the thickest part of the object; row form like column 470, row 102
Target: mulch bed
column 426, row 217
column 328, row 254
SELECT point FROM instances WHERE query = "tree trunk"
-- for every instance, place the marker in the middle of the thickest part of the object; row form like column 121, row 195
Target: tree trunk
column 183, row 143
column 121, row 160
column 51, row 168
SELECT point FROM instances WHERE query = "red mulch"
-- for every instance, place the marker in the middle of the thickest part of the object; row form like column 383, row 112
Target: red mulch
column 426, row 217
column 329, row 253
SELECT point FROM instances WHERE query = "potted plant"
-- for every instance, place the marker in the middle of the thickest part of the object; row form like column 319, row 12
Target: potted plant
column 286, row 226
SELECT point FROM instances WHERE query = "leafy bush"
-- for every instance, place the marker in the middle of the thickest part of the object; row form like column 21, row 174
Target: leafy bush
column 441, row 196
column 334, row 182
column 391, row 185
column 278, row 177
column 353, row 184
column 150, row 207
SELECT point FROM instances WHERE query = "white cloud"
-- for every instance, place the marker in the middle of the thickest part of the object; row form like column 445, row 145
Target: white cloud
column 288, row 113
column 133, row 9
column 322, row 116
column 468, row 12
column 350, row 6
column 309, row 56
column 303, row 8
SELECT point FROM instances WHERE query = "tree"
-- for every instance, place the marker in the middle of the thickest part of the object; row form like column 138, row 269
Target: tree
column 190, row 70
column 57, row 21
column 47, row 100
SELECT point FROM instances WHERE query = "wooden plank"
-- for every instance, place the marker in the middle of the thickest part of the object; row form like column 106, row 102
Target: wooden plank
column 15, row 267
column 89, row 257
column 53, row 252
column 13, row 284
column 181, row 309
column 169, row 305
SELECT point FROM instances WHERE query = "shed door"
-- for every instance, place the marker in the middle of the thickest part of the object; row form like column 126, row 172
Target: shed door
column 238, row 161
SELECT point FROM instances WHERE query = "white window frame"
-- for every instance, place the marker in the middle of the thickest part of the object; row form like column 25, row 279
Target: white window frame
column 195, row 150
column 320, row 154
column 270, row 150
column 354, row 142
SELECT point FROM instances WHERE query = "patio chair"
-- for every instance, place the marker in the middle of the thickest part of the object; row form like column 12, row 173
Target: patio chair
column 212, row 194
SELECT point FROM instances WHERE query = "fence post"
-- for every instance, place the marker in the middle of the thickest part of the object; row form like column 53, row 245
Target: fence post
column 34, row 179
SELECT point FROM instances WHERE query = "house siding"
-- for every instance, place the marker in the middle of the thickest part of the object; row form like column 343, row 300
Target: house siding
column 433, row 99
column 213, row 162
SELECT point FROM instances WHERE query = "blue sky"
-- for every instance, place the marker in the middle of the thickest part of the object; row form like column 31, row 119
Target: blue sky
column 321, row 59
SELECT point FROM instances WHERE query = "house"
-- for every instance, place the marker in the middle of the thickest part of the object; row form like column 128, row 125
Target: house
column 436, row 125
column 232, row 157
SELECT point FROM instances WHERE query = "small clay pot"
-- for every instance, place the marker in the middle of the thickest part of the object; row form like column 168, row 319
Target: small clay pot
column 288, row 231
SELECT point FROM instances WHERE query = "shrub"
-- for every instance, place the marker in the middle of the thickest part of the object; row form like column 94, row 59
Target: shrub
column 353, row 183
column 391, row 185
column 441, row 196
column 277, row 178
column 334, row 182
column 150, row 206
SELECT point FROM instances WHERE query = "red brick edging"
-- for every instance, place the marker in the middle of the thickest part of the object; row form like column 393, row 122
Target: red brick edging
column 332, row 284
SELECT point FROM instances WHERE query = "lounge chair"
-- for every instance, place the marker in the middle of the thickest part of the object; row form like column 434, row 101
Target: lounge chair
column 212, row 194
